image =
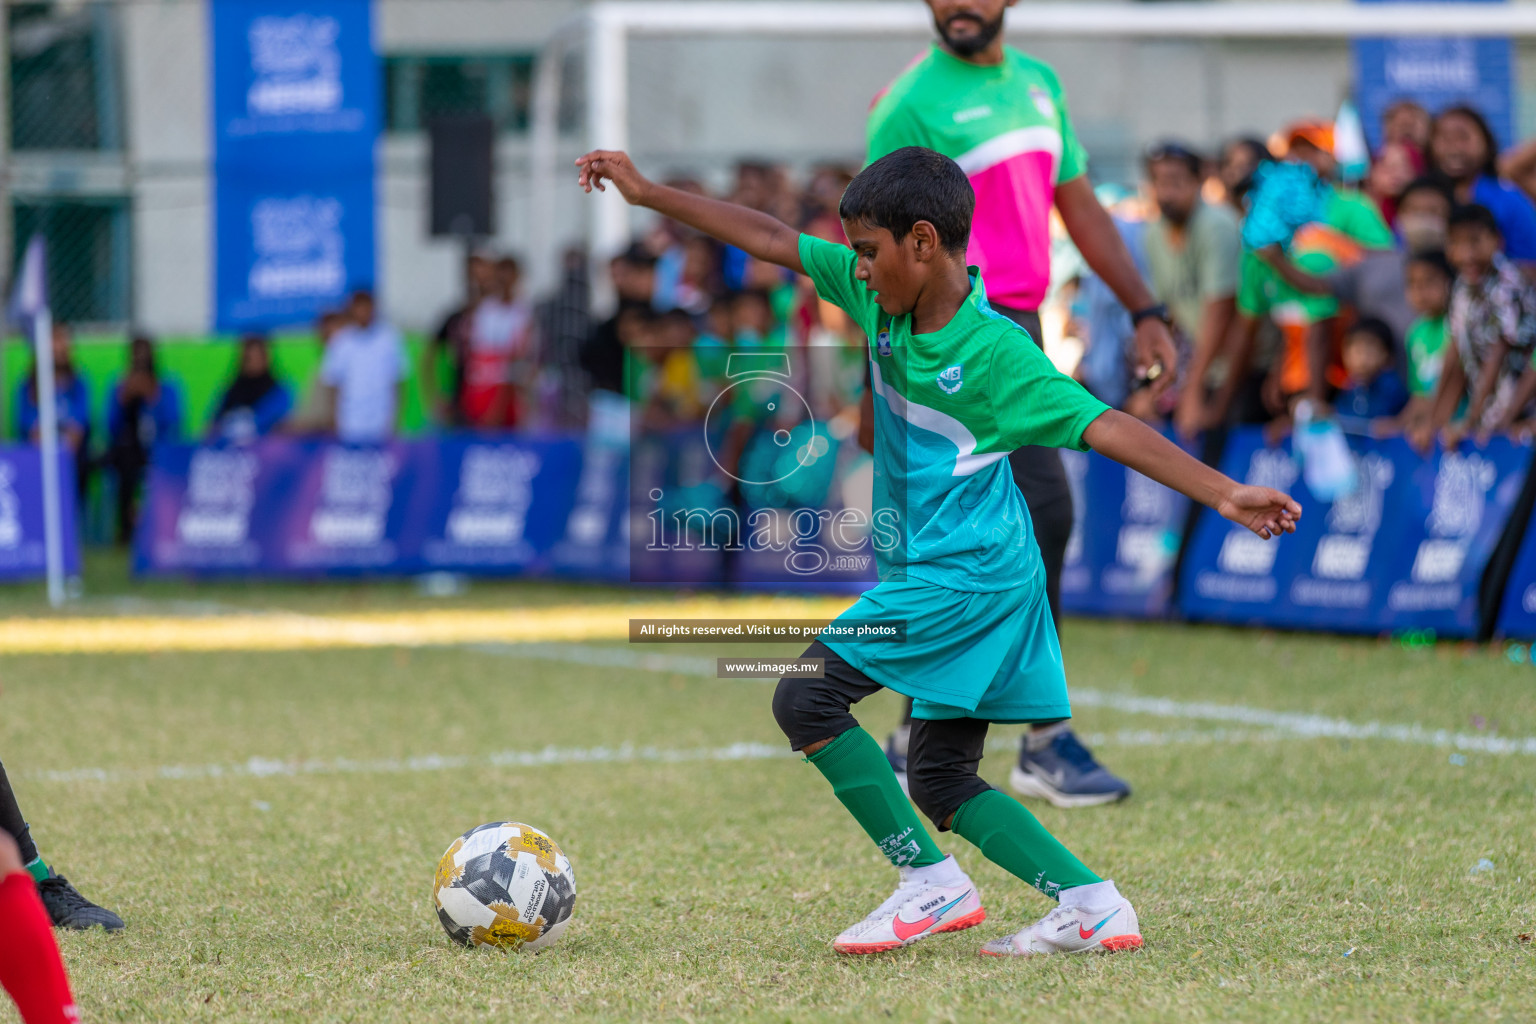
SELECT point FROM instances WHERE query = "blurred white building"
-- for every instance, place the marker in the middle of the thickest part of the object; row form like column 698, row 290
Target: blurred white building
column 108, row 126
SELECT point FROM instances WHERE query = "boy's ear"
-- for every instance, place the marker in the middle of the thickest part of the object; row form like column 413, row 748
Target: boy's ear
column 925, row 241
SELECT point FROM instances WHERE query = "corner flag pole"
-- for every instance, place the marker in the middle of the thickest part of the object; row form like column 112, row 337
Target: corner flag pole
column 29, row 304
column 48, row 431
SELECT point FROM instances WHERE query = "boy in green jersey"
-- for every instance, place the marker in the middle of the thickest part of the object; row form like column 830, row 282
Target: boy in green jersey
column 955, row 388
column 1427, row 280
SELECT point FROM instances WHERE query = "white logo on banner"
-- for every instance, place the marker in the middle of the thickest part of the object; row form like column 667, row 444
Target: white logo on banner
column 1144, row 545
column 221, row 488
column 1435, row 65
column 1461, row 493
column 1461, row 498
column 355, row 495
column 1246, row 554
column 299, row 248
column 1345, row 550
column 1146, row 500
column 495, row 491
column 10, row 509
column 296, row 66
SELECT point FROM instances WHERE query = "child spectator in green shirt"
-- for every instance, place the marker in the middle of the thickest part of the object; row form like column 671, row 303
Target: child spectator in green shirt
column 1428, row 277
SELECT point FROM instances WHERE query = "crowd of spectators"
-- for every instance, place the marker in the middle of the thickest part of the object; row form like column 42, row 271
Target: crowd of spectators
column 355, row 397
column 1407, row 307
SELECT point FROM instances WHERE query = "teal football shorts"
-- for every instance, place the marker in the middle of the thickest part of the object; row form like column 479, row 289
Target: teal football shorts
column 992, row 656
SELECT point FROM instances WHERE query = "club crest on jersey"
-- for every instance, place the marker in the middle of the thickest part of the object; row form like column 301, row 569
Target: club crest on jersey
column 950, row 380
column 883, row 343
column 1043, row 102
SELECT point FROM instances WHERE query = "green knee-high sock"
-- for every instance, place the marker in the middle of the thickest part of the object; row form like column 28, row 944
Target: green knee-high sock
column 1013, row 839
column 862, row 779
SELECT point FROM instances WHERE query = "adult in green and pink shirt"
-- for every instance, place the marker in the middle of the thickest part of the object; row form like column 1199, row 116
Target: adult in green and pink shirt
column 1001, row 115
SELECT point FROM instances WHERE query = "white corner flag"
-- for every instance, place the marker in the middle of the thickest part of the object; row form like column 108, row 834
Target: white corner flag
column 28, row 308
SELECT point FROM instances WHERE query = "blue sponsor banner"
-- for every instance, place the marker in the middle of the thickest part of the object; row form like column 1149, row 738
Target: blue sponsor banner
column 22, row 552
column 307, row 508
column 290, row 249
column 1125, row 540
column 1405, row 550
column 1437, row 71
column 295, row 121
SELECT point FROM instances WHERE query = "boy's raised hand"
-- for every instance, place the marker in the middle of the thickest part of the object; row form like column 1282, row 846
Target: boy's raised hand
column 757, row 234
column 613, row 166
column 1264, row 510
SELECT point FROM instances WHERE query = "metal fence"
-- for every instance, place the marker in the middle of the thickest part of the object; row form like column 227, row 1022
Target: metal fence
column 64, row 159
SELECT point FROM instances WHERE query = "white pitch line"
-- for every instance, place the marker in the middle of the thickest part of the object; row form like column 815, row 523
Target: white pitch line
column 268, row 768
column 1292, row 723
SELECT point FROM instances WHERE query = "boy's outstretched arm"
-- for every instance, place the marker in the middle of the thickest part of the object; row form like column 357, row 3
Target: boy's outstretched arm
column 759, row 235
column 1130, row 442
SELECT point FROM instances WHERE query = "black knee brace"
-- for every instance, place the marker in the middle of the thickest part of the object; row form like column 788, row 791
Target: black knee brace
column 811, row 710
column 942, row 758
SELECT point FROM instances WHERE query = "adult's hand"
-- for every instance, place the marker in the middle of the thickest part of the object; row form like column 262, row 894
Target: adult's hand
column 1154, row 348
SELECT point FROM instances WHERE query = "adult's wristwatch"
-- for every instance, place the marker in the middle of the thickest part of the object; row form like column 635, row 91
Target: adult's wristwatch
column 1160, row 311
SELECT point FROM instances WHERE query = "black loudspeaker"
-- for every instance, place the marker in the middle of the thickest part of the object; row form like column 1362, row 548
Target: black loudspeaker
column 463, row 175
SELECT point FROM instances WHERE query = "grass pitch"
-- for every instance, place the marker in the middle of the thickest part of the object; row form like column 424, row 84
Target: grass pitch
column 267, row 822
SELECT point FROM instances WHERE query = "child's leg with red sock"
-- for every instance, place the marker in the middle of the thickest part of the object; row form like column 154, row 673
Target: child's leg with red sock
column 30, row 968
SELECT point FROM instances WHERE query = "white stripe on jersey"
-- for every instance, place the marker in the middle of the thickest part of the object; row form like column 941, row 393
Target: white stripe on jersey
column 1038, row 139
column 967, row 462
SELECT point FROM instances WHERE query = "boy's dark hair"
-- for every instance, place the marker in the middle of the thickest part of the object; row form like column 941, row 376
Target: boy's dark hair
column 1435, row 258
column 1374, row 328
column 1473, row 215
column 909, row 185
column 1428, row 184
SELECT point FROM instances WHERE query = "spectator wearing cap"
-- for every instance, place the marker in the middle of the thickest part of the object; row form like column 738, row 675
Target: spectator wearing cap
column 1191, row 251
column 1463, row 150
column 1349, row 227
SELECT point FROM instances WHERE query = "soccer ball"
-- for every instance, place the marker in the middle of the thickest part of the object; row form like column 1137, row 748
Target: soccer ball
column 504, row 884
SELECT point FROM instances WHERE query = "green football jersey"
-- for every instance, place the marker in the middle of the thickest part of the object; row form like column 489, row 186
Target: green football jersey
column 949, row 407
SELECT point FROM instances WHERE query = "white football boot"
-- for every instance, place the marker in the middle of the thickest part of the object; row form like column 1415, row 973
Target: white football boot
column 929, row 901
column 1109, row 926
